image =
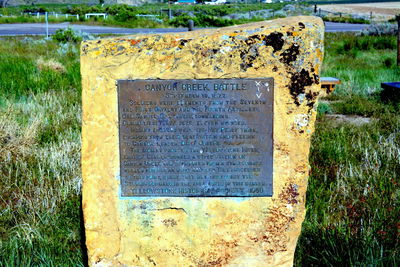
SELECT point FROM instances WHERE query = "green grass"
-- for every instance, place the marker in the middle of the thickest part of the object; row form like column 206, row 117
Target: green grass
column 40, row 156
column 217, row 10
column 34, row 19
column 353, row 194
column 16, row 10
column 361, row 62
column 346, row 20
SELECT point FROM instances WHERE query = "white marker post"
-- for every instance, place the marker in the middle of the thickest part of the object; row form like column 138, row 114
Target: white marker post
column 47, row 25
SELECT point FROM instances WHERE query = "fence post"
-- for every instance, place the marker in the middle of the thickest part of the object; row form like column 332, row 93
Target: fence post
column 370, row 15
column 319, row 12
column 398, row 39
column 47, row 24
column 190, row 25
column 169, row 10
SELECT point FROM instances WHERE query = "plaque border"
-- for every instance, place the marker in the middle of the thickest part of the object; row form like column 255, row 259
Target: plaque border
column 117, row 83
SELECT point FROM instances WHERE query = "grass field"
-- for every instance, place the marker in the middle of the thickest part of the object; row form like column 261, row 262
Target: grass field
column 40, row 115
column 126, row 16
column 202, row 15
column 353, row 196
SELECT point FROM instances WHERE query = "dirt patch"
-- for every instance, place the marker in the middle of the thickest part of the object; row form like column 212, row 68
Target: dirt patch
column 50, row 64
column 380, row 11
column 351, row 119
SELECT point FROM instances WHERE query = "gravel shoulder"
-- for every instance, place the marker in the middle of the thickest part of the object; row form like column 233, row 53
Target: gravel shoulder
column 381, row 11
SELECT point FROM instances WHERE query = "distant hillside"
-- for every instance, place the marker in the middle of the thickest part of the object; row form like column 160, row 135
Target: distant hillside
column 38, row 2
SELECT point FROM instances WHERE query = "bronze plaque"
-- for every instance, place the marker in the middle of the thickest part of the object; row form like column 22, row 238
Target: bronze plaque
column 196, row 138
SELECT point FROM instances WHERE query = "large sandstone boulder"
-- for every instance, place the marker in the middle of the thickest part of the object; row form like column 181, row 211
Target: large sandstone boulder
column 201, row 231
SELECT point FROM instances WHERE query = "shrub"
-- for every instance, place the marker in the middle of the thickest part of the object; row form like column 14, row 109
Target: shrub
column 348, row 45
column 35, row 9
column 364, row 44
column 388, row 62
column 125, row 15
column 379, row 29
column 358, row 43
column 200, row 20
column 324, row 108
column 384, row 43
column 209, row 21
column 357, row 20
column 214, row 10
column 66, row 35
column 67, row 49
column 80, row 10
column 115, row 9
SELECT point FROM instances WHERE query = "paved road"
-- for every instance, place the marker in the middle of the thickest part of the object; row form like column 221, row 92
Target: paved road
column 39, row 29
column 344, row 27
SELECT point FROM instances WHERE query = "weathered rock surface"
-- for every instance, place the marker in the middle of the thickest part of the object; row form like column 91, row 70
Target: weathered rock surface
column 217, row 231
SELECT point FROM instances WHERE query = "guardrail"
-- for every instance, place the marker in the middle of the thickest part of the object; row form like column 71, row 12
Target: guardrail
column 57, row 15
column 88, row 15
column 152, row 17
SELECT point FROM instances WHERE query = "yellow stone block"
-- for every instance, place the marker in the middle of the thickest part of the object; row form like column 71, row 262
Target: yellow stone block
column 201, row 231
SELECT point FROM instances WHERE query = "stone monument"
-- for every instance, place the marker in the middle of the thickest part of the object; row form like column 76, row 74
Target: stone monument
column 195, row 145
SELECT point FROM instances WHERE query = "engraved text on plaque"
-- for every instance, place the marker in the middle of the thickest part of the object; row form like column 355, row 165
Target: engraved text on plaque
column 200, row 138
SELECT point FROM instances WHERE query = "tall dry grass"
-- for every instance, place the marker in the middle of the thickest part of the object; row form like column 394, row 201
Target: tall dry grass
column 40, row 158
